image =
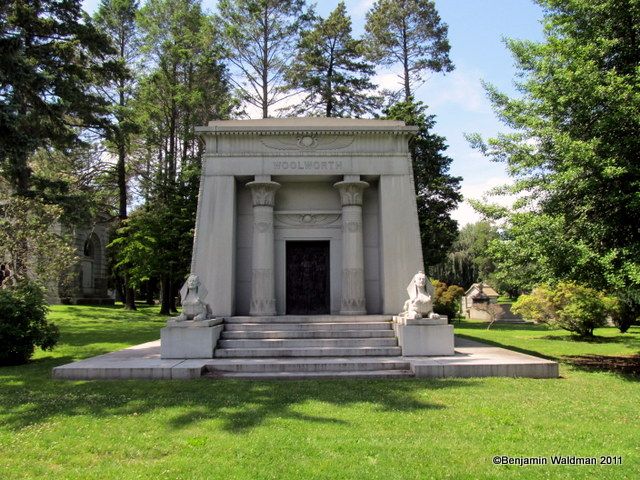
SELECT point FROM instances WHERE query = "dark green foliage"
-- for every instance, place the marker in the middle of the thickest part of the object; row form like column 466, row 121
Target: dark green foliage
column 156, row 240
column 628, row 312
column 185, row 85
column 409, row 33
column 574, row 150
column 51, row 58
column 438, row 193
column 447, row 299
column 330, row 71
column 469, row 260
column 23, row 324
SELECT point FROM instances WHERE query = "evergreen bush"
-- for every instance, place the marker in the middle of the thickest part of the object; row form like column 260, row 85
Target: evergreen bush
column 23, row 323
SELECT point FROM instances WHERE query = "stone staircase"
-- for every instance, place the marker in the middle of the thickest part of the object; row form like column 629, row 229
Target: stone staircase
column 318, row 346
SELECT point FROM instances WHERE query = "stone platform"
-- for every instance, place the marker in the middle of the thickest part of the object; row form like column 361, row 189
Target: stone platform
column 471, row 359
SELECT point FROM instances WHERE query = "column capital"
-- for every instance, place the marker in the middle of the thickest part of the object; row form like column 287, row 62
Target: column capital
column 351, row 192
column 263, row 193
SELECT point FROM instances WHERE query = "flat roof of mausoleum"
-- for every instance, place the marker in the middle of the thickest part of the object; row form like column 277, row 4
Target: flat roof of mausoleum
column 306, row 124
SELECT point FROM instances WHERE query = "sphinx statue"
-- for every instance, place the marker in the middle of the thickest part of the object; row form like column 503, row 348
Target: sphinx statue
column 193, row 305
column 419, row 304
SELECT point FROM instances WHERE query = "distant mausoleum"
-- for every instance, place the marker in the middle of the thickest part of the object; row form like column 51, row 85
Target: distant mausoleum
column 476, row 299
column 88, row 284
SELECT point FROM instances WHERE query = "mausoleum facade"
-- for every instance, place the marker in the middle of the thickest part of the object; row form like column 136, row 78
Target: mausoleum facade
column 306, row 216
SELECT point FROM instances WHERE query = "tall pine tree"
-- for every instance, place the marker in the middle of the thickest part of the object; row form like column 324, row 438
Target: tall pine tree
column 409, row 33
column 51, row 60
column 331, row 72
column 186, row 86
column 261, row 36
column 438, row 193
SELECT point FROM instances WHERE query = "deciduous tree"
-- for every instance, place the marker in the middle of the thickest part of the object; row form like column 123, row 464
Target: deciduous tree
column 574, row 152
column 469, row 260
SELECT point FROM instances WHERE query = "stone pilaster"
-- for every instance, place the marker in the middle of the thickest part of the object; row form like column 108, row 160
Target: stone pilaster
column 263, row 298
column 353, row 301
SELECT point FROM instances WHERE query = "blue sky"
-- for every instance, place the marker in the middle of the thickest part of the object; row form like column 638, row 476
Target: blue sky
column 476, row 32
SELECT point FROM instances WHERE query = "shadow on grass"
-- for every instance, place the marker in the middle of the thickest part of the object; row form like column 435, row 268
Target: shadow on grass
column 630, row 341
column 239, row 405
column 503, row 326
column 626, row 366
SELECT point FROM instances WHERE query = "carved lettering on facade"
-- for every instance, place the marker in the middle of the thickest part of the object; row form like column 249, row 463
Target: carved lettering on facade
column 297, row 165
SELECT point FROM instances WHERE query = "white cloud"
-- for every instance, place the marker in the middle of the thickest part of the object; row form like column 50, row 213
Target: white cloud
column 256, row 112
column 460, row 88
column 387, row 79
column 477, row 190
column 361, row 7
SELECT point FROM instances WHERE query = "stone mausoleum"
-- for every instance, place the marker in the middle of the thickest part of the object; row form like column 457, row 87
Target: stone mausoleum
column 301, row 218
column 306, row 216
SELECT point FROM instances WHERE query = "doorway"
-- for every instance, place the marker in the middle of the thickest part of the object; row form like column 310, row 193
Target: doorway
column 307, row 278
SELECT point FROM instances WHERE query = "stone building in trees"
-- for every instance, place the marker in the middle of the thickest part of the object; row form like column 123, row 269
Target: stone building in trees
column 88, row 284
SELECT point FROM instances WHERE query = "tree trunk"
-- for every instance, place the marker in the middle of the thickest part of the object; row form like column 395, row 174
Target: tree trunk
column 405, row 63
column 149, row 291
column 265, row 64
column 119, row 288
column 165, row 296
column 174, row 293
column 329, row 111
column 130, row 296
column 122, row 180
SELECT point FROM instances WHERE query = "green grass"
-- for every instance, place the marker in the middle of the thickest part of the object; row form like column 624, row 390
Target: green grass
column 556, row 344
column 358, row 429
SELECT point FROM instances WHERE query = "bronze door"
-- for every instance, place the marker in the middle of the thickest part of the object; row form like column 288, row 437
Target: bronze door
column 307, row 278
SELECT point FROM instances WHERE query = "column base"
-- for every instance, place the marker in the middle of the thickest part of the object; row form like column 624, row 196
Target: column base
column 260, row 311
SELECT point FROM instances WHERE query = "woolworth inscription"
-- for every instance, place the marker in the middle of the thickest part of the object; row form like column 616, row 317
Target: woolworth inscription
column 297, row 165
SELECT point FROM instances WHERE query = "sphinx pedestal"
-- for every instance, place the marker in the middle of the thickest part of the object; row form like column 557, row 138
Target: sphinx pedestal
column 190, row 339
column 424, row 336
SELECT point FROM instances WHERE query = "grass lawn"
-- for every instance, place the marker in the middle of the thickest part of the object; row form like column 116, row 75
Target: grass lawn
column 356, row 429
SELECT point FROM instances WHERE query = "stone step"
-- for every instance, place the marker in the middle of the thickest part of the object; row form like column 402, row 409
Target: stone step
column 309, row 343
column 308, row 352
column 371, row 374
column 302, row 365
column 310, row 319
column 249, row 334
column 327, row 326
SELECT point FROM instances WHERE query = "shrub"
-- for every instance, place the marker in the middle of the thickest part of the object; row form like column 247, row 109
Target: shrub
column 447, row 299
column 23, row 324
column 628, row 310
column 569, row 306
